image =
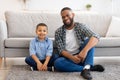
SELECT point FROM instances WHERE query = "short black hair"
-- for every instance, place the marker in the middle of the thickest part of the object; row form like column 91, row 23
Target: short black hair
column 41, row 24
column 66, row 8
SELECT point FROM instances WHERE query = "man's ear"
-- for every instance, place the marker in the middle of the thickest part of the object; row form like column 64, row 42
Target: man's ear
column 73, row 14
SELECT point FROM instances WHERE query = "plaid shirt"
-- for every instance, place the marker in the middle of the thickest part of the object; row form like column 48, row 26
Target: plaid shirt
column 81, row 31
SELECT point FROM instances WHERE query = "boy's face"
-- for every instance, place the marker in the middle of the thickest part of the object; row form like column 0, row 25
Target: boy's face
column 41, row 31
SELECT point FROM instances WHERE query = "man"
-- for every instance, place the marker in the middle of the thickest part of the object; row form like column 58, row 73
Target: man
column 75, row 43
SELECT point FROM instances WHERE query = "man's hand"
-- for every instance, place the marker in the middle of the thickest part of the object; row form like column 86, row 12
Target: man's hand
column 82, row 55
column 76, row 59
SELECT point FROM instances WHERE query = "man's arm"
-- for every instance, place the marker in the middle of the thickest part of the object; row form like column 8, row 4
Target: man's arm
column 61, row 47
column 92, row 42
column 71, row 57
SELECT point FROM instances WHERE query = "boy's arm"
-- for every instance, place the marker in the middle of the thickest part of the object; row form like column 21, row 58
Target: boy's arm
column 34, row 57
column 47, row 60
column 32, row 50
column 48, row 55
column 39, row 64
column 44, row 67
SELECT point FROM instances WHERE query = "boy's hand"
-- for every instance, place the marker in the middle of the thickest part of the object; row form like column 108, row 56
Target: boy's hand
column 39, row 66
column 44, row 67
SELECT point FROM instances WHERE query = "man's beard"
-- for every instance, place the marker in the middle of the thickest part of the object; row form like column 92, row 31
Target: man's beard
column 70, row 24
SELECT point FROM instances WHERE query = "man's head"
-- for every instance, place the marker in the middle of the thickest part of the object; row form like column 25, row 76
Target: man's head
column 41, row 31
column 67, row 17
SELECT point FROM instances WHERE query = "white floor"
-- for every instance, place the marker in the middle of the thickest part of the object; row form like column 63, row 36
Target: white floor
column 20, row 61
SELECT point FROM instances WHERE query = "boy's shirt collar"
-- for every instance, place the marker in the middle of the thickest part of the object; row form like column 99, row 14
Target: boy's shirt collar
column 37, row 39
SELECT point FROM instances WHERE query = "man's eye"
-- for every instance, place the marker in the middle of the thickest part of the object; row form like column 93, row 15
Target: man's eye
column 68, row 15
column 63, row 17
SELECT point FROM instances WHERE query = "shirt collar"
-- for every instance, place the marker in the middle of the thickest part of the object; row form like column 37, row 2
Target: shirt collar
column 46, row 39
column 75, row 24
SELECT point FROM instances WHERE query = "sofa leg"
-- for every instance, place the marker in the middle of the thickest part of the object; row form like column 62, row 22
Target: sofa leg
column 4, row 61
column 0, row 60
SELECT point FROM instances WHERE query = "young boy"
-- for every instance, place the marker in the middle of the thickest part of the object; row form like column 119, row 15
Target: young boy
column 41, row 49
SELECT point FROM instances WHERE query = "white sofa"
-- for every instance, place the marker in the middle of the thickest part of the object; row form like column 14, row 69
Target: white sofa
column 19, row 28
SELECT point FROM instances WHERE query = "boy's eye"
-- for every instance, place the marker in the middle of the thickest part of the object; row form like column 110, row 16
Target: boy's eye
column 44, row 30
column 40, row 30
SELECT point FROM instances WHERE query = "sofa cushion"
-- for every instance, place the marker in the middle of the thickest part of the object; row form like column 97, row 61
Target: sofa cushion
column 24, row 42
column 114, row 28
column 23, row 24
column 18, row 42
column 109, row 42
column 98, row 23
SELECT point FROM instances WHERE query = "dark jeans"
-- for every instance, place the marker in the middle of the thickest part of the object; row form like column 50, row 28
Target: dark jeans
column 33, row 64
column 66, row 65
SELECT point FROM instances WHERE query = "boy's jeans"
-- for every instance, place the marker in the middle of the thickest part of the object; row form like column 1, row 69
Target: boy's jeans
column 66, row 65
column 33, row 64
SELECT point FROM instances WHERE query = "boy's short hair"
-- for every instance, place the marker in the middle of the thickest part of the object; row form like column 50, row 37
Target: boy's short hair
column 66, row 8
column 41, row 24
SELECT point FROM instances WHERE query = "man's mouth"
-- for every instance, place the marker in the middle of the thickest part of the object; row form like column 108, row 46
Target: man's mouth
column 67, row 21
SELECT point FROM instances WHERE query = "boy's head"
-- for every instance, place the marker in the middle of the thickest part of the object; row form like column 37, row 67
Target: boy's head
column 41, row 31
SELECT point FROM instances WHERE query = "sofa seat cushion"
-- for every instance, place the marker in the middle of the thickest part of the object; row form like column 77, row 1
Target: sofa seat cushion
column 24, row 42
column 18, row 42
column 109, row 42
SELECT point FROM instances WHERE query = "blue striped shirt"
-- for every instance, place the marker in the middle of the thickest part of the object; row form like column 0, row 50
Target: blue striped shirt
column 41, row 48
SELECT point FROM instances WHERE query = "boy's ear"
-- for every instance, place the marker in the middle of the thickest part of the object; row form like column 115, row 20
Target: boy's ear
column 35, row 31
column 47, row 31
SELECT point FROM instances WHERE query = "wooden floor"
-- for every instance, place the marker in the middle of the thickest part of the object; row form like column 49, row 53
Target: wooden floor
column 4, row 69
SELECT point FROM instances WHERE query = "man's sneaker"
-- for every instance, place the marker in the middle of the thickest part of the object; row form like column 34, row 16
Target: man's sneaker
column 98, row 68
column 86, row 74
column 51, row 69
column 31, row 68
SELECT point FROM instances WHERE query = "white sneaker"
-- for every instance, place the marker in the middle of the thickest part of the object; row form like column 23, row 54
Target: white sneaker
column 53, row 69
column 31, row 68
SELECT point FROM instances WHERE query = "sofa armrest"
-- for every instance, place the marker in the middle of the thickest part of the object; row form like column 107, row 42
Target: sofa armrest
column 3, row 36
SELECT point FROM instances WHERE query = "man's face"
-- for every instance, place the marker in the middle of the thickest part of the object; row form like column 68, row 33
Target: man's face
column 67, row 17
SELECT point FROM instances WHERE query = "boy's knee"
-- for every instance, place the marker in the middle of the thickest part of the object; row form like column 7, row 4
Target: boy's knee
column 26, row 59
